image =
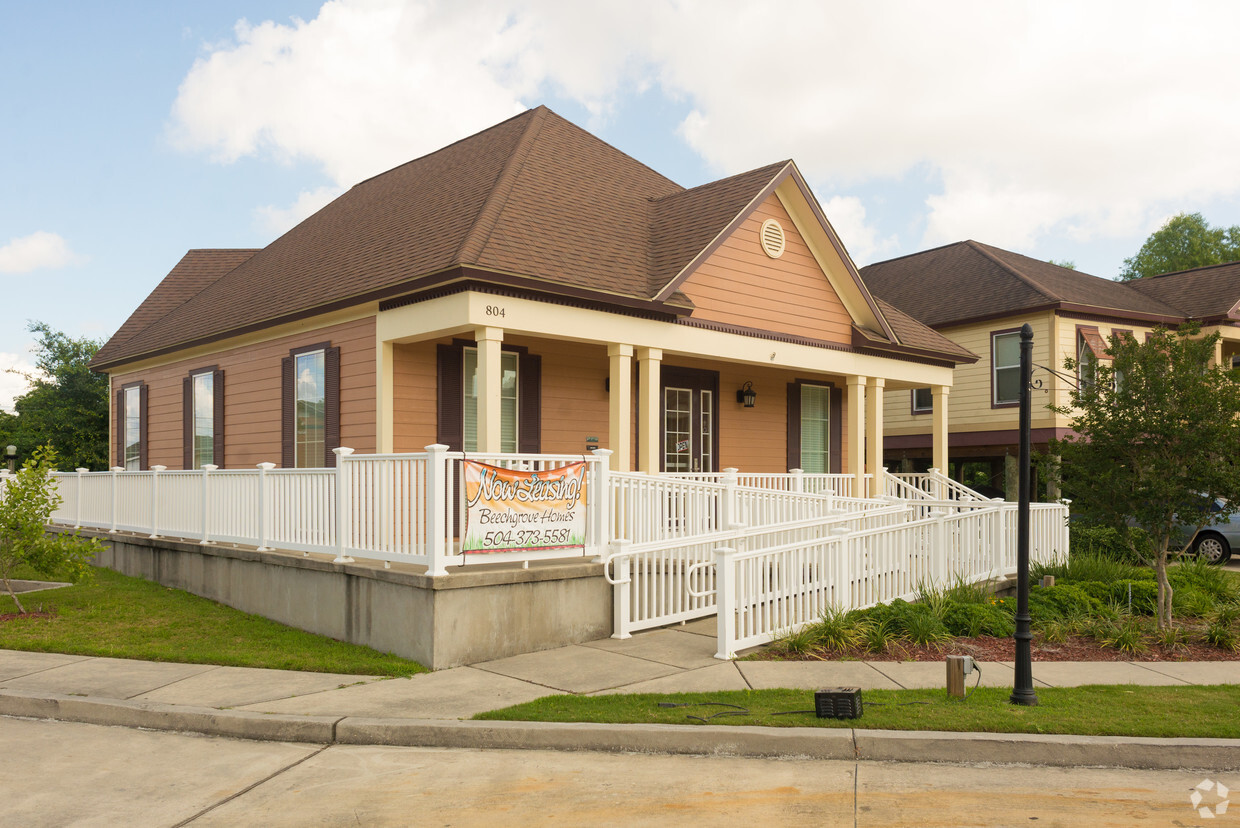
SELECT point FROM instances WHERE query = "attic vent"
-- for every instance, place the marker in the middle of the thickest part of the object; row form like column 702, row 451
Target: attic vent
column 772, row 237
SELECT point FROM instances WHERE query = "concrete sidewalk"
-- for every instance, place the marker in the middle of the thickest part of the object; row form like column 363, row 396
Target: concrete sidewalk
column 319, row 707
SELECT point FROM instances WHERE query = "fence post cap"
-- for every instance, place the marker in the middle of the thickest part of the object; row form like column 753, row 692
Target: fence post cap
column 81, row 471
column 342, row 451
column 159, row 468
column 209, row 467
column 266, row 466
column 796, row 471
column 437, row 447
column 602, row 452
column 117, row 469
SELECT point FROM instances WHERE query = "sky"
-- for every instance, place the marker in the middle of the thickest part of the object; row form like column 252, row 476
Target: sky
column 131, row 132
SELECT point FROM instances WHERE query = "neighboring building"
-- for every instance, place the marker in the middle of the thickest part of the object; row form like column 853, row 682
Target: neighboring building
column 979, row 296
column 529, row 288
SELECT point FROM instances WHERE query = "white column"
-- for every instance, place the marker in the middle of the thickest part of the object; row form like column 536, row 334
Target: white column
column 384, row 389
column 490, row 369
column 939, row 440
column 874, row 434
column 856, row 433
column 620, row 406
column 648, row 408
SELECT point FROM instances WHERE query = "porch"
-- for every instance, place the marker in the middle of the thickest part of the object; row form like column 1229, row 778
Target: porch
column 316, row 548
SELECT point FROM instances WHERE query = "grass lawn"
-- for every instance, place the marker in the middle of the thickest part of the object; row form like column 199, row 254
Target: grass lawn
column 121, row 617
column 1120, row 710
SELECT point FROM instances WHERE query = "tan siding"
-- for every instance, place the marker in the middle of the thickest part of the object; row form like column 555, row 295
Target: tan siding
column 740, row 285
column 574, row 398
column 414, row 381
column 252, row 428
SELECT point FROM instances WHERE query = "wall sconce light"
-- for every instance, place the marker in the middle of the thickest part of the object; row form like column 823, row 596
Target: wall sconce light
column 746, row 395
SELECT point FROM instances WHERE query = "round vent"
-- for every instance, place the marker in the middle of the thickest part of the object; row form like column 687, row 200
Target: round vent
column 772, row 236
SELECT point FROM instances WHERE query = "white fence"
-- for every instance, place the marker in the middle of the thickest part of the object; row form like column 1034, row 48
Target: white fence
column 772, row 551
column 766, row 592
column 393, row 507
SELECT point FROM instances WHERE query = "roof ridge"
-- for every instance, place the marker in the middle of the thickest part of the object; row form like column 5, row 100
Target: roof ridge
column 1029, row 280
column 1180, row 272
column 918, row 253
column 475, row 241
column 705, row 184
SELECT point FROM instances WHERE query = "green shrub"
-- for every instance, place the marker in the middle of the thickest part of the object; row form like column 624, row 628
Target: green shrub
column 1061, row 602
column 1195, row 573
column 1140, row 597
column 1190, row 602
column 1127, row 634
column 836, row 629
column 978, row 619
column 1130, row 545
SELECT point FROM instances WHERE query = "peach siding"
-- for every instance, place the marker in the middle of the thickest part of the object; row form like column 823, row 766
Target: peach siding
column 740, row 285
column 575, row 404
column 252, row 428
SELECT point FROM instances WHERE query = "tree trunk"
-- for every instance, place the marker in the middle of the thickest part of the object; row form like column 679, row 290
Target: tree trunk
column 13, row 595
column 1164, row 589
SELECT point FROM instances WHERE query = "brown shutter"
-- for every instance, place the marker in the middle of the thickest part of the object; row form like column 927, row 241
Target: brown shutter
column 529, row 403
column 837, row 429
column 187, row 422
column 288, row 397
column 143, row 459
column 217, row 413
column 120, row 428
column 450, row 397
column 794, row 425
column 331, row 404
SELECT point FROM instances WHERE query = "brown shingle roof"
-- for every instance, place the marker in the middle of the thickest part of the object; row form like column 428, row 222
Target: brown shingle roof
column 914, row 334
column 534, row 197
column 969, row 280
column 197, row 270
column 1211, row 292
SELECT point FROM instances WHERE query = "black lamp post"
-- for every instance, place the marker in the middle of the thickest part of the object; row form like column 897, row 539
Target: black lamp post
column 1022, row 692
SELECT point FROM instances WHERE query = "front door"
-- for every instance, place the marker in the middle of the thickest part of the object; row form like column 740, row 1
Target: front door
column 690, row 419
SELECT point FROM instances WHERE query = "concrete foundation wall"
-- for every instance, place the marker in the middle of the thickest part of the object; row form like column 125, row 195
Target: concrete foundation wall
column 477, row 615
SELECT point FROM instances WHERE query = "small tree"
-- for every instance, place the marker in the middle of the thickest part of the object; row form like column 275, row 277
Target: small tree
column 1158, row 439
column 1184, row 242
column 27, row 500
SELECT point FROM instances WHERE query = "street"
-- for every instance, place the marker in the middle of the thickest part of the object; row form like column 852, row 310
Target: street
column 74, row 774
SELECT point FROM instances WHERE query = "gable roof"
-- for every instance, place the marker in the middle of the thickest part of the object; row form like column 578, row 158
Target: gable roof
column 1204, row 293
column 968, row 280
column 534, row 202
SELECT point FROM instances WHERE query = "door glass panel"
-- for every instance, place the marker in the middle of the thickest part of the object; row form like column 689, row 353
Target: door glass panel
column 677, row 420
column 708, row 441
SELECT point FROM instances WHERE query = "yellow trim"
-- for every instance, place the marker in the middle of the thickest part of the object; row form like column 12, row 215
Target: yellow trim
column 266, row 335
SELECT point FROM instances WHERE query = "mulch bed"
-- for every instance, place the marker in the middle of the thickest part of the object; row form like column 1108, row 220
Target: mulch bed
column 989, row 649
column 14, row 616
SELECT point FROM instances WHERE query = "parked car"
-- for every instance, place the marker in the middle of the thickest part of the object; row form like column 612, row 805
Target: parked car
column 1214, row 542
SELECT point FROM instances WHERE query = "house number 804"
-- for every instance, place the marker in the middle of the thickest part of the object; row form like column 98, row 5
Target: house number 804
column 495, row 310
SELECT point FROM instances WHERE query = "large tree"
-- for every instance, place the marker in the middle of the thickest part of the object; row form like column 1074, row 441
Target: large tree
column 67, row 404
column 1184, row 242
column 1158, row 439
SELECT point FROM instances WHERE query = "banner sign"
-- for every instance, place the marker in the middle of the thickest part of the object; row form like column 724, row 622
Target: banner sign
column 512, row 511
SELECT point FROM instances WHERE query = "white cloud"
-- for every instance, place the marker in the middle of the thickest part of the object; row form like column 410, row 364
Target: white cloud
column 1081, row 119
column 860, row 238
column 12, row 383
column 38, row 251
column 279, row 220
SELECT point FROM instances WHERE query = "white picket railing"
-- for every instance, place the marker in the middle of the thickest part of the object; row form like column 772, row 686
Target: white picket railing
column 796, row 480
column 769, row 591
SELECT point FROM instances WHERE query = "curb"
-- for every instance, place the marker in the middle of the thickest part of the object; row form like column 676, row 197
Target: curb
column 755, row 742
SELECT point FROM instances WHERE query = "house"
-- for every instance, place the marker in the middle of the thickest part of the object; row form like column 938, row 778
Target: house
column 979, row 296
column 529, row 289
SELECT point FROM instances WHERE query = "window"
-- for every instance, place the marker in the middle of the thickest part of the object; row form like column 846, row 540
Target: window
column 815, row 429
column 923, row 400
column 311, row 406
column 133, row 429
column 1005, row 359
column 457, row 398
column 507, row 401
column 203, row 407
column 814, row 426
column 1086, row 363
column 130, row 426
